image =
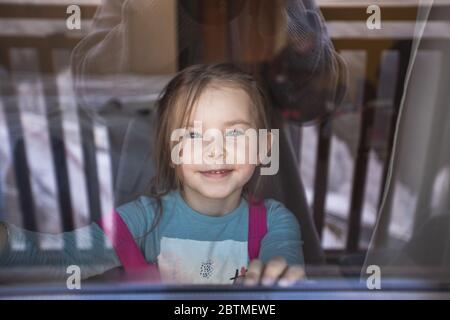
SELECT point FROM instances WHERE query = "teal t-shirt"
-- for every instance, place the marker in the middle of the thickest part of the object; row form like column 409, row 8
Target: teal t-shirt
column 189, row 247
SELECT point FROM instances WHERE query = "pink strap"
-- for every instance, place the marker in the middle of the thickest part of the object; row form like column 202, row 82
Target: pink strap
column 257, row 227
column 125, row 247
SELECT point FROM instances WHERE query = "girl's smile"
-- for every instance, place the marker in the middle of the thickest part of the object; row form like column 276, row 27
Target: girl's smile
column 217, row 174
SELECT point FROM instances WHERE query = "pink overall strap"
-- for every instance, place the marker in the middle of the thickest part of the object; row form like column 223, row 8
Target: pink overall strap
column 257, row 227
column 124, row 244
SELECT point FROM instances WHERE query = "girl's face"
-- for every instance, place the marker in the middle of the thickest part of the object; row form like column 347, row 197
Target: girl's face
column 224, row 115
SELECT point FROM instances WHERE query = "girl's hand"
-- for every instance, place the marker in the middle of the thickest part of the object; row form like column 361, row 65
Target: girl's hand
column 276, row 271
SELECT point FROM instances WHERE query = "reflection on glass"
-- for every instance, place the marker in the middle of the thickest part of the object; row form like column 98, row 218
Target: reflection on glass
column 362, row 115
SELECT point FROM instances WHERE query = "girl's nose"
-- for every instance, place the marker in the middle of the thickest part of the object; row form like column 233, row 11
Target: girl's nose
column 215, row 151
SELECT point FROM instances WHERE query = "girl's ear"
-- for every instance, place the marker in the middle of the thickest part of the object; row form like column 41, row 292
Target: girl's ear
column 269, row 148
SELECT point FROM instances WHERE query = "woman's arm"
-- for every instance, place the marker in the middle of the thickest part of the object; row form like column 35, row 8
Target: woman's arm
column 125, row 39
column 22, row 257
column 102, row 52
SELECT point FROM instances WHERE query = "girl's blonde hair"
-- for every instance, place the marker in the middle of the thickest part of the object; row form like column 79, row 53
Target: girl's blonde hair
column 175, row 107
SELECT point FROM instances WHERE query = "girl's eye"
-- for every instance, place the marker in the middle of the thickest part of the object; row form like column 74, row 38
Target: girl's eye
column 235, row 132
column 194, row 135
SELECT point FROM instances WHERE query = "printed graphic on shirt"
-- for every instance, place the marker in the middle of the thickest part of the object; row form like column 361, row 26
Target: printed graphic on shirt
column 201, row 262
column 239, row 274
column 206, row 269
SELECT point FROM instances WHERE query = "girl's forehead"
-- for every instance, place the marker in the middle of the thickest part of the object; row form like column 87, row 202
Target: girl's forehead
column 222, row 105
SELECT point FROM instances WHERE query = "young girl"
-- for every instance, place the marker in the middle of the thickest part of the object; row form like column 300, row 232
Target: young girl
column 198, row 223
